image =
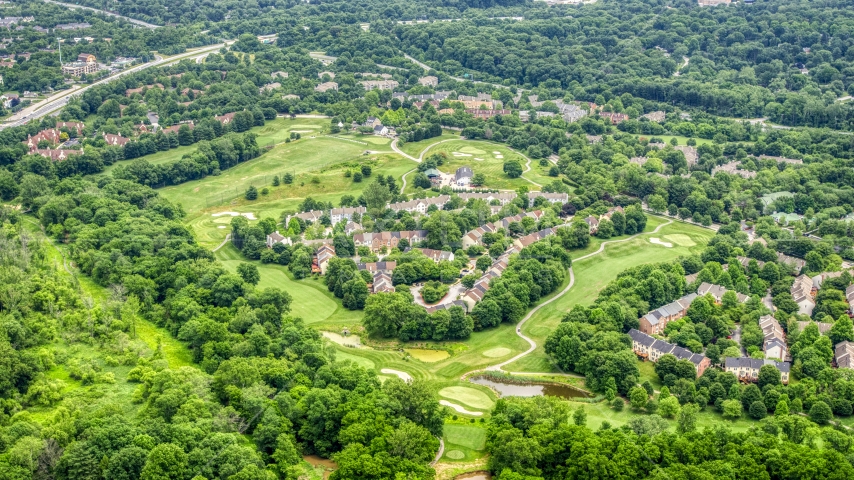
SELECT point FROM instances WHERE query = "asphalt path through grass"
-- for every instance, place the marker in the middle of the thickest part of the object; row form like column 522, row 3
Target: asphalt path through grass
column 531, row 342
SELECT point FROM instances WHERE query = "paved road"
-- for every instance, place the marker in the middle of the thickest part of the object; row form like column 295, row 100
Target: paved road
column 62, row 98
column 403, row 187
column 138, row 23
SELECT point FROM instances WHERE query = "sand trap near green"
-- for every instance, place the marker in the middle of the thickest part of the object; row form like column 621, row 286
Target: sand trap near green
column 468, row 396
column 429, row 356
column 680, row 239
column 459, row 408
column 497, row 352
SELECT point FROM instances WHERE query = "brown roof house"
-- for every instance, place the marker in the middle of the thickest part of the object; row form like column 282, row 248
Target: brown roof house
column 653, row 323
column 650, row 348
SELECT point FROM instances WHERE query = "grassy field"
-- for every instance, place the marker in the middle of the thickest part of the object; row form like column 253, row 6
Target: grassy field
column 481, row 157
column 464, row 442
column 311, row 300
column 274, row 132
column 593, row 273
column 415, row 148
column 330, row 186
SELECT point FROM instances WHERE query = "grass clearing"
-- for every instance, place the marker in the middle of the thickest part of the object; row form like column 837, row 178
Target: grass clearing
column 311, row 300
column 326, row 183
column 468, row 396
column 491, row 164
column 463, row 442
column 497, row 352
column 680, row 239
column 342, row 356
column 415, row 148
column 594, row 273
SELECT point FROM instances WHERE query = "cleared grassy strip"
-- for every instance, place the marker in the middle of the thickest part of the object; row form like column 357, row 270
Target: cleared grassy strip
column 311, row 300
column 463, row 442
column 594, row 273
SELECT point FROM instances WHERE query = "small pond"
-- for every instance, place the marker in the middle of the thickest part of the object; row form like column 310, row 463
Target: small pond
column 506, row 388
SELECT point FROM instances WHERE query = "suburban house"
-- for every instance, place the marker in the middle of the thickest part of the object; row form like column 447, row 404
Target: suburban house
column 375, row 267
column 717, row 292
column 56, row 155
column 650, row 348
column 774, row 344
column 796, row 263
column 593, row 223
column 475, row 294
column 322, row 256
column 435, row 255
column 379, row 84
column 429, row 81
column 331, row 75
column 689, row 152
column 345, row 214
column 639, row 161
column 614, row 118
column 176, row 127
column 420, row 205
column 747, row 369
column 550, row 197
column 225, row 119
column 388, row 240
column 326, row 86
column 352, row 227
column 277, row 237
column 732, row 169
column 372, row 122
column 532, row 238
column 657, row 116
column 503, row 198
column 382, row 283
column 823, row 327
column 819, row 279
column 475, row 237
column 50, row 136
column 745, row 262
column 447, row 306
column 843, row 355
column 802, row 291
column 463, row 176
column 849, row 295
column 312, row 216
column 115, row 140
column 76, row 127
column 653, row 323
column 270, row 87
column 486, row 114
column 279, row 74
column 380, row 130
column 610, row 213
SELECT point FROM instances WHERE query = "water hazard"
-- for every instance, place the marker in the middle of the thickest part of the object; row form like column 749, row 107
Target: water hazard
column 506, row 388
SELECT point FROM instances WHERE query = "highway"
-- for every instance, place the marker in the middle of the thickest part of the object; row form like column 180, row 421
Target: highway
column 59, row 100
column 138, row 23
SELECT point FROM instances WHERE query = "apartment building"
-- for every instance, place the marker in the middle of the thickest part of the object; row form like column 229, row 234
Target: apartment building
column 653, row 349
column 654, row 322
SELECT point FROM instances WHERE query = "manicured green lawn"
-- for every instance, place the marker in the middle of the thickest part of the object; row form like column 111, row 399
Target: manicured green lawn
column 330, row 187
column 311, row 300
column 481, row 157
column 598, row 413
column 464, row 442
column 273, row 132
column 595, row 272
column 415, row 148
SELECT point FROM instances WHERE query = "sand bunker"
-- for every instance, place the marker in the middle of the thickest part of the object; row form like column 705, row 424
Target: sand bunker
column 303, row 131
column 499, row 156
column 352, row 341
column 221, row 226
column 479, row 159
column 459, row 408
column 402, row 375
column 426, row 355
column 496, row 153
column 250, row 216
column 460, row 154
column 659, row 242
